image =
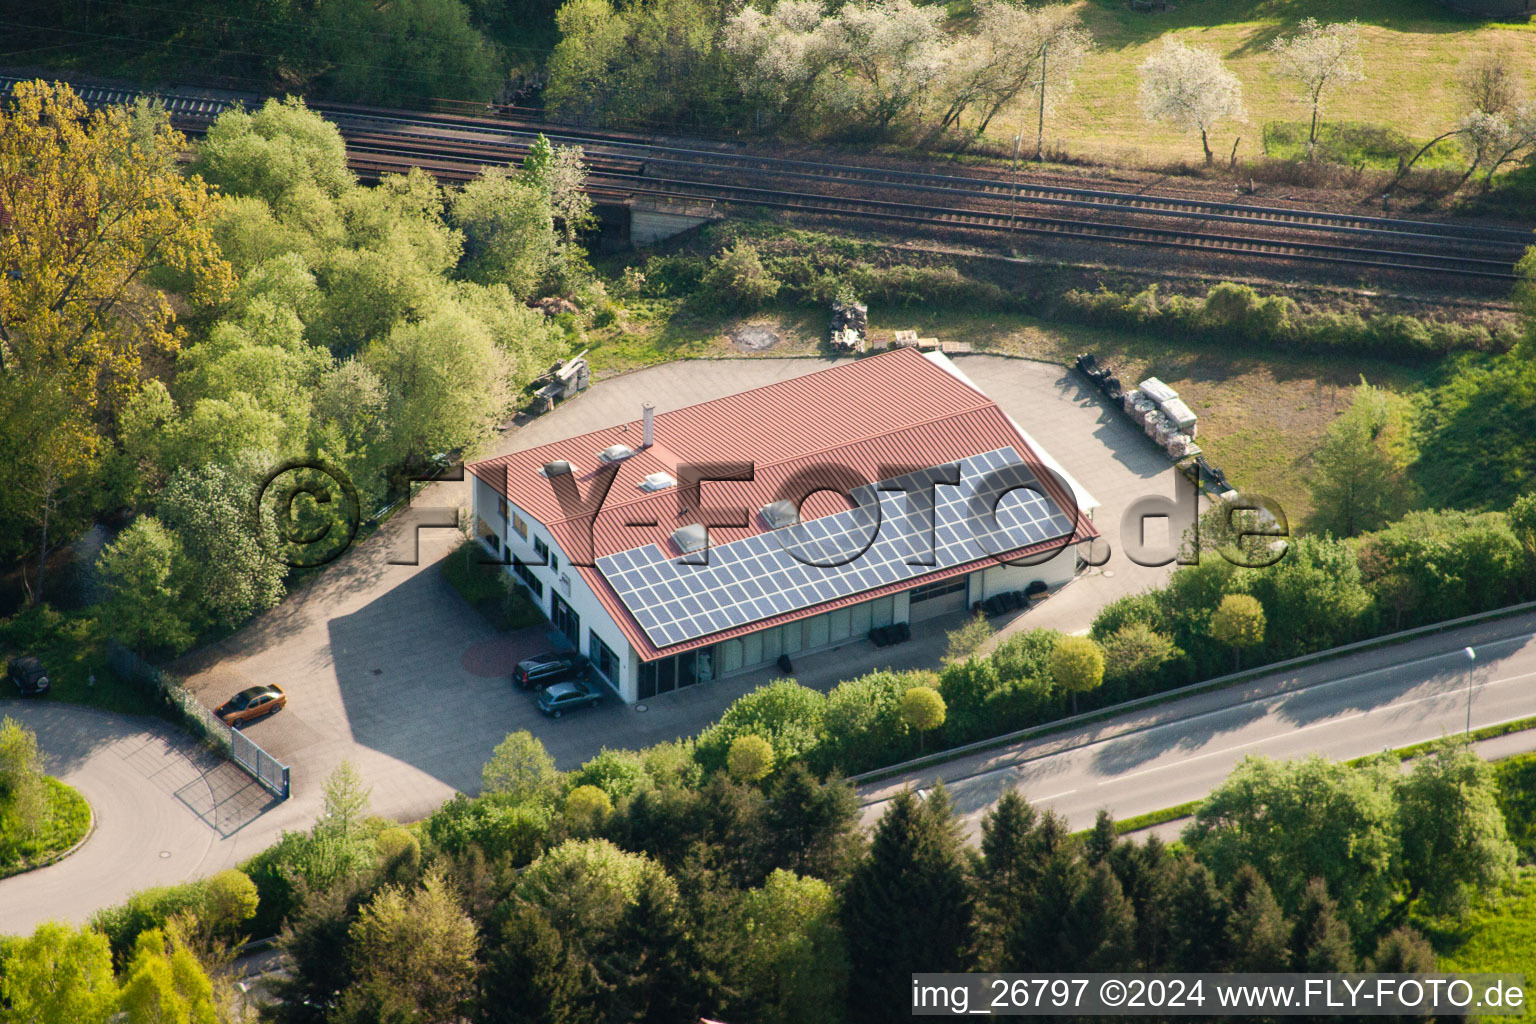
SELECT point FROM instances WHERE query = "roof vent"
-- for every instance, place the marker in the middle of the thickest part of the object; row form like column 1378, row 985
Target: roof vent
column 616, row 453
column 557, row 468
column 693, row 537
column 780, row 514
column 657, row 482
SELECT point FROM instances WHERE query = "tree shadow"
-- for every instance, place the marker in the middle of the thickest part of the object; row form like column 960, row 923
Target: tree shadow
column 1187, row 736
column 1116, row 26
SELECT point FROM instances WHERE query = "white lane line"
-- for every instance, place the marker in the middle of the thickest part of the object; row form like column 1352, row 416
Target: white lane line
column 1315, row 725
column 1053, row 796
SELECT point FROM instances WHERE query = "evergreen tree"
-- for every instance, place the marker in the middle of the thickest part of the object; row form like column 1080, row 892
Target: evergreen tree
column 1101, row 841
column 809, row 826
column 1034, row 943
column 652, row 969
column 1258, row 935
column 1146, row 874
column 1006, row 873
column 1320, row 942
column 1197, row 919
column 907, row 907
column 1099, row 930
column 1403, row 951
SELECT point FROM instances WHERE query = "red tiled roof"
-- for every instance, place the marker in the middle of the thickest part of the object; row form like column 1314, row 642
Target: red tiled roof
column 892, row 410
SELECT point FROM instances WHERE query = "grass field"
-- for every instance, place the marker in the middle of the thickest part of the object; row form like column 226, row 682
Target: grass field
column 1412, row 50
column 66, row 823
column 1497, row 936
column 1261, row 416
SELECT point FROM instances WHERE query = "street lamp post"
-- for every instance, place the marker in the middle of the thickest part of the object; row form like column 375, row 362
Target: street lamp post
column 1471, row 656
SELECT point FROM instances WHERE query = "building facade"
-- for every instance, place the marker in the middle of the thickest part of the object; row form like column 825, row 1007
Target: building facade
column 714, row 539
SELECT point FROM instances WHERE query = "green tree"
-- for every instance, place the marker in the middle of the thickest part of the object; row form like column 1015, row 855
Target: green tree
column 1313, row 598
column 23, row 788
column 750, row 758
column 737, row 278
column 166, row 984
column 229, row 901
column 1099, row 929
column 587, row 806
column 1453, row 836
column 412, row 49
column 796, row 966
column 967, row 641
column 1197, row 919
column 1312, row 818
column 1403, row 951
column 1136, row 653
column 274, row 154
column 907, row 907
column 619, row 773
column 141, row 572
column 810, row 826
column 1360, row 480
column 521, row 770
column 420, row 946
column 1238, row 623
column 923, row 710
column 1321, row 942
column 58, row 974
column 509, row 231
column 1258, row 935
column 1007, row 875
column 1077, row 666
column 784, row 713
column 229, row 576
column 447, row 382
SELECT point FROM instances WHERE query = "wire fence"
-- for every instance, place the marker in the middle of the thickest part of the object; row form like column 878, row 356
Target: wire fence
column 198, row 720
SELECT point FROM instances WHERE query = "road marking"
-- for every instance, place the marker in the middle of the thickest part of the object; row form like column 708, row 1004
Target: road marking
column 1315, row 725
column 1053, row 796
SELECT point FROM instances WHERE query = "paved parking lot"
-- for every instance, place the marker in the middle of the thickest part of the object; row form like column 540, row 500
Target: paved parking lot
column 387, row 667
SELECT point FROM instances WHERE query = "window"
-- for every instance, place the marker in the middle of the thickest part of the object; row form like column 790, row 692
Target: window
column 534, row 583
column 603, row 658
column 542, row 550
column 487, row 535
column 519, row 527
column 501, row 507
column 942, row 587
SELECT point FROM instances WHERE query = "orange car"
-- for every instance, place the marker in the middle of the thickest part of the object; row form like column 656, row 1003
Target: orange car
column 249, row 705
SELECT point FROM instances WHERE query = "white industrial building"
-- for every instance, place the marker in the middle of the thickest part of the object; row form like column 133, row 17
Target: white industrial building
column 885, row 490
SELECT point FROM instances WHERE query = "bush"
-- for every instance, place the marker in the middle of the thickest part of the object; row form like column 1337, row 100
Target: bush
column 618, row 773
column 493, row 825
column 144, row 910
column 737, row 278
column 750, row 758
column 587, row 806
column 862, row 724
column 784, row 713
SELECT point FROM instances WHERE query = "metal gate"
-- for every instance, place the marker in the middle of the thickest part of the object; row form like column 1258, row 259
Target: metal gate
column 264, row 768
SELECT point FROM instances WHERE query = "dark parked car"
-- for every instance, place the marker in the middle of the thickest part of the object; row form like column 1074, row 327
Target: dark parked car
column 549, row 667
column 29, row 676
column 562, row 697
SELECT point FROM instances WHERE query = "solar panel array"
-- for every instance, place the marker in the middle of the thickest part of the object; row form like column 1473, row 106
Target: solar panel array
column 675, row 599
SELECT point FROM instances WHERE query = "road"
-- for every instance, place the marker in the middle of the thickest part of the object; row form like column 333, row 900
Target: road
column 1176, row 752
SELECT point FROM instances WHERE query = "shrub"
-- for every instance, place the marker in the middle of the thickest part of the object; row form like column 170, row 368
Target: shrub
column 750, row 758
column 862, row 720
column 587, row 806
column 923, row 709
column 494, row 826
column 738, row 279
column 229, row 901
column 784, row 713
column 967, row 641
column 145, row 910
column 618, row 773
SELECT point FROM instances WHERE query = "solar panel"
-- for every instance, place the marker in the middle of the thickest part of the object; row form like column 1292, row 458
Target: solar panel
column 848, row 552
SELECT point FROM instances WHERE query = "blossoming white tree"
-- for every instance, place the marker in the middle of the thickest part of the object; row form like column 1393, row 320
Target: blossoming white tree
column 1319, row 58
column 1190, row 88
column 1015, row 50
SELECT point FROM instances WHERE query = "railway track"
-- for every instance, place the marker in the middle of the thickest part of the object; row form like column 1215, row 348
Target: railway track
column 625, row 167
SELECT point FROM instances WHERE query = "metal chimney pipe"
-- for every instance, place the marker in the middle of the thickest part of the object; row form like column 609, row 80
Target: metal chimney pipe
column 647, row 425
